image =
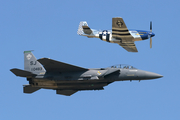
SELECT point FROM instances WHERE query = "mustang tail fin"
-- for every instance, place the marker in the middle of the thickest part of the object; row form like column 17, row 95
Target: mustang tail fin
column 84, row 28
column 31, row 64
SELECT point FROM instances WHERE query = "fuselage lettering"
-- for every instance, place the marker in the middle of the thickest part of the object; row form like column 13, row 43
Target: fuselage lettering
column 33, row 62
column 36, row 68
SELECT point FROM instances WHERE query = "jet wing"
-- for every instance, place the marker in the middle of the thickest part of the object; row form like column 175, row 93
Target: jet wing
column 66, row 92
column 119, row 30
column 129, row 46
column 56, row 66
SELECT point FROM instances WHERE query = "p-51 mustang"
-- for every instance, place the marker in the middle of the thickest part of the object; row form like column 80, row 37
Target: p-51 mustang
column 67, row 79
column 119, row 34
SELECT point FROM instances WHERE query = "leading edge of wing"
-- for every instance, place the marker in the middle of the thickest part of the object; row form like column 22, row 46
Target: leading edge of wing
column 56, row 66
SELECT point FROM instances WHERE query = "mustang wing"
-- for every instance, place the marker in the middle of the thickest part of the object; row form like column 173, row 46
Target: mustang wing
column 119, row 30
column 56, row 66
column 129, row 46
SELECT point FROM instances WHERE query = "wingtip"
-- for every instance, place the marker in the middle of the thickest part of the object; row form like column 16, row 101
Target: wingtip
column 13, row 69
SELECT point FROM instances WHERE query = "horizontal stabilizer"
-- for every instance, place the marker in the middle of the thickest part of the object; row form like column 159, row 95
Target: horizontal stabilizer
column 22, row 73
column 66, row 92
column 29, row 89
column 56, row 66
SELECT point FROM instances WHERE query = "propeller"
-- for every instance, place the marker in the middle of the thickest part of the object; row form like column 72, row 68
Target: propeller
column 150, row 35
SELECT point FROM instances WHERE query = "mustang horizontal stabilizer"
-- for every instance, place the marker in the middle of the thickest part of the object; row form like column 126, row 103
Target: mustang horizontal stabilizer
column 22, row 73
column 56, row 66
column 129, row 46
column 66, row 92
column 29, row 89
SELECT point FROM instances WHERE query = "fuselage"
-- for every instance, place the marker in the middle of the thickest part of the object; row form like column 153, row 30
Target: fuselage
column 106, row 35
column 92, row 79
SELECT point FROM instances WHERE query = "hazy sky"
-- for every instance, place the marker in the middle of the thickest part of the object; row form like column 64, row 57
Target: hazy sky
column 49, row 27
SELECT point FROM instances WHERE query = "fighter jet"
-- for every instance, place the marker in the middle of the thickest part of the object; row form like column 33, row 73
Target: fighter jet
column 67, row 79
column 119, row 34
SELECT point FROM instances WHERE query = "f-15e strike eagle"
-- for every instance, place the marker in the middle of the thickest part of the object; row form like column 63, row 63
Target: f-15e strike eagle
column 119, row 34
column 67, row 79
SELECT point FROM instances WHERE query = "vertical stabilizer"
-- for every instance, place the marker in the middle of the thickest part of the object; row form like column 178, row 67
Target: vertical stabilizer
column 83, row 28
column 31, row 64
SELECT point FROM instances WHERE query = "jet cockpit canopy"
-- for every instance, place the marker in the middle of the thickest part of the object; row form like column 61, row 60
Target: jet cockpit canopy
column 123, row 66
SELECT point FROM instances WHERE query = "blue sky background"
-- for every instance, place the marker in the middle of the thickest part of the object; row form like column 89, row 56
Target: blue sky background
column 50, row 28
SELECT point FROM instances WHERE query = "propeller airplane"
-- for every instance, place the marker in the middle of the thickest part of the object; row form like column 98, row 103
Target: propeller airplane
column 119, row 34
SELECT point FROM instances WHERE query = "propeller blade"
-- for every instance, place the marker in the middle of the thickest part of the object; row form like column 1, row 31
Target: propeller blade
column 151, row 26
column 150, row 35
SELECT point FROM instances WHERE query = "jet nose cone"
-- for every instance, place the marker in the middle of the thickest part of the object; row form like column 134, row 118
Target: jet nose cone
column 151, row 75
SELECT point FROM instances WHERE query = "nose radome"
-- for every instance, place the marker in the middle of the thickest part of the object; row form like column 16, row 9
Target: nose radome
column 152, row 75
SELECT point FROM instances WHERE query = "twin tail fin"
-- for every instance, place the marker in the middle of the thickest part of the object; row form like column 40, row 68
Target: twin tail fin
column 31, row 66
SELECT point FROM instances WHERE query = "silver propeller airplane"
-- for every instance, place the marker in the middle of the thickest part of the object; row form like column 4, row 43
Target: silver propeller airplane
column 67, row 79
column 119, row 34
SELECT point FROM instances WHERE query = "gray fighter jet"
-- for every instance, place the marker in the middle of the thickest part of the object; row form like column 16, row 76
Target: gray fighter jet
column 67, row 79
